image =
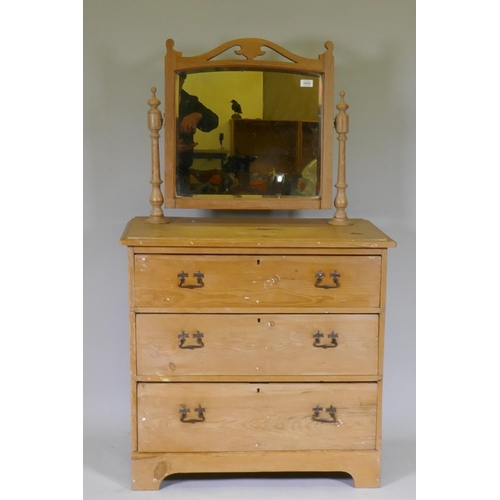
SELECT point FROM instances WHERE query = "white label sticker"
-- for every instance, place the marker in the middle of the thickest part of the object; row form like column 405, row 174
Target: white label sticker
column 306, row 83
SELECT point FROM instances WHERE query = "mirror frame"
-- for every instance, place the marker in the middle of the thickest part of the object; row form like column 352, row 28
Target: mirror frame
column 250, row 49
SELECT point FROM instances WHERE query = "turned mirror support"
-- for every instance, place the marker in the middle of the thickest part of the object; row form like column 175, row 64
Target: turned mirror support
column 154, row 125
column 342, row 126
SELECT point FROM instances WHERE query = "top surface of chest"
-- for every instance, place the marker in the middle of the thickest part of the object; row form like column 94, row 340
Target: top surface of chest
column 187, row 232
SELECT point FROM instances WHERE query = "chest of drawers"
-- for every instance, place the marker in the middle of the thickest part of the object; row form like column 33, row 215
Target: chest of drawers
column 255, row 346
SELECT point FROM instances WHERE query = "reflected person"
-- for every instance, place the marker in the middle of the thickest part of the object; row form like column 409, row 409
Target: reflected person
column 193, row 115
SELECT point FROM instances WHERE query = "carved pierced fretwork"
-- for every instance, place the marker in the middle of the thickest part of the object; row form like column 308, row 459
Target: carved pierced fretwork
column 250, row 52
column 251, row 49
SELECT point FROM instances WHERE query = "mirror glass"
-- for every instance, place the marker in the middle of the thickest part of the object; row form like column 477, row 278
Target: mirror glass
column 246, row 133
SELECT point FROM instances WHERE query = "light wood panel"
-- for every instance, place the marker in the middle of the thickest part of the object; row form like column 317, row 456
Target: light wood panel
column 188, row 233
column 261, row 345
column 149, row 469
column 248, row 370
column 258, row 251
column 172, row 377
column 256, row 417
column 257, row 283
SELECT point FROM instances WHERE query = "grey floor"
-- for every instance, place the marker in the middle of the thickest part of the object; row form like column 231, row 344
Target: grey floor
column 106, row 475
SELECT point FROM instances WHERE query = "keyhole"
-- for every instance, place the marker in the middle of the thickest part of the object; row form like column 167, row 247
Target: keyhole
column 258, row 262
column 258, row 320
column 258, row 390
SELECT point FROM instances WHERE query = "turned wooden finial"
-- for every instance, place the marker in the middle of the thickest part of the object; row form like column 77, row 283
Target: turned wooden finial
column 154, row 125
column 342, row 126
column 154, row 102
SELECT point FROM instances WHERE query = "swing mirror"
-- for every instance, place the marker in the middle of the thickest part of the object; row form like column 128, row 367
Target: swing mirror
column 248, row 133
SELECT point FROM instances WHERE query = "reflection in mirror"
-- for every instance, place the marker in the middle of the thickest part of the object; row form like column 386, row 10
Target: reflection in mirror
column 248, row 133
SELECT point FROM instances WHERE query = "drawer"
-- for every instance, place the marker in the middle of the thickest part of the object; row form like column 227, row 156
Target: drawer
column 210, row 417
column 269, row 283
column 171, row 345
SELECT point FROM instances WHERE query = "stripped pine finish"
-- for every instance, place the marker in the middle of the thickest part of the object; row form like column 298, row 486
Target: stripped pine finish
column 243, row 344
column 212, row 283
column 309, row 358
column 248, row 417
column 256, row 344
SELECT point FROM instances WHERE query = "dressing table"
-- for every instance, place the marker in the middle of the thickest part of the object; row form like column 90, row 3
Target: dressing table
column 256, row 343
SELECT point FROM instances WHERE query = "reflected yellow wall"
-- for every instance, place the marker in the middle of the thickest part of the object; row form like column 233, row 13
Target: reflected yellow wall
column 215, row 90
column 285, row 99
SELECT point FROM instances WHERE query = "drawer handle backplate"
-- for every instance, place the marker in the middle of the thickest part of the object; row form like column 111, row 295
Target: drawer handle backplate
column 199, row 280
column 319, row 280
column 318, row 335
column 331, row 410
column 184, row 411
column 184, row 336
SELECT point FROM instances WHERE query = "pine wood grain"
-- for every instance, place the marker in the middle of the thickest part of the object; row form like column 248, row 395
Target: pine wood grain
column 149, row 469
column 256, row 283
column 261, row 345
column 188, row 233
column 244, row 417
column 243, row 257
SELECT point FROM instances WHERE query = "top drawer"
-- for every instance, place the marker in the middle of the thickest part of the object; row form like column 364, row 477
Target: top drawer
column 272, row 283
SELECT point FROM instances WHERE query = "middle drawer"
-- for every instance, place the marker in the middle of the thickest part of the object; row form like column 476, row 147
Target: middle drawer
column 171, row 345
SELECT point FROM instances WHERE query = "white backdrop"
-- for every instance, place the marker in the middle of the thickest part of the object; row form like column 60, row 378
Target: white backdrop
column 124, row 47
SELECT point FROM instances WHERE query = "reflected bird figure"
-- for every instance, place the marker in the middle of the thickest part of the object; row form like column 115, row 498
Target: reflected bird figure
column 236, row 108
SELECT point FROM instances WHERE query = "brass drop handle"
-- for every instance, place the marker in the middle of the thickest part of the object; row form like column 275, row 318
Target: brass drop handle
column 184, row 336
column 331, row 410
column 199, row 280
column 318, row 335
column 319, row 279
column 184, row 411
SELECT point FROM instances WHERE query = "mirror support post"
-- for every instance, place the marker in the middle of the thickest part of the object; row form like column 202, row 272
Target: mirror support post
column 342, row 126
column 154, row 125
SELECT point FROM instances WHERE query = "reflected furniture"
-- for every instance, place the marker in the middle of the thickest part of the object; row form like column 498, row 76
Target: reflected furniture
column 256, row 343
column 280, row 146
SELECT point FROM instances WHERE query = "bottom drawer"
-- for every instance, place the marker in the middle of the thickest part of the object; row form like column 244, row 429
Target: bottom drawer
column 189, row 417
